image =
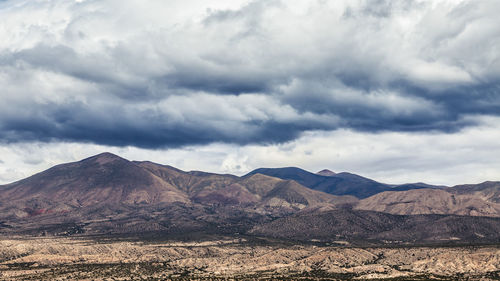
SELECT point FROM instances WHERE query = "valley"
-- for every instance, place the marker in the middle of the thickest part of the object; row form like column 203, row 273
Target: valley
column 236, row 259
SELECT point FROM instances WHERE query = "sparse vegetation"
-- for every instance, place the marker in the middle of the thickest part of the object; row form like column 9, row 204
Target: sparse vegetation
column 107, row 218
column 236, row 259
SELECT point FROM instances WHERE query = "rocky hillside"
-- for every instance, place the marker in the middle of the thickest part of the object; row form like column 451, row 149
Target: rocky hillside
column 117, row 186
column 471, row 200
column 363, row 227
column 237, row 259
column 108, row 195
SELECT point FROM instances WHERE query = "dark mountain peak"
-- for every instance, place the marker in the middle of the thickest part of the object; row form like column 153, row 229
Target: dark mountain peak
column 347, row 175
column 326, row 173
column 259, row 176
column 281, row 172
column 208, row 174
column 416, row 185
column 104, row 158
column 337, row 184
column 479, row 186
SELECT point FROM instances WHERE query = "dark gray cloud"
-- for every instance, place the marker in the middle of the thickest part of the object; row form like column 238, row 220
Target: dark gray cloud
column 265, row 72
column 174, row 122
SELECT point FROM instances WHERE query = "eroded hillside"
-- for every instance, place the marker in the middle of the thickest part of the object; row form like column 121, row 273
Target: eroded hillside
column 240, row 259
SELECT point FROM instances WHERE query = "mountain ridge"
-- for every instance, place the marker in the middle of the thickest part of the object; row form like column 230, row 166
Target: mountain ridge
column 343, row 183
column 107, row 194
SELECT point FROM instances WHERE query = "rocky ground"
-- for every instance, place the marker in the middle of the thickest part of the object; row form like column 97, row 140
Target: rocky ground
column 236, row 259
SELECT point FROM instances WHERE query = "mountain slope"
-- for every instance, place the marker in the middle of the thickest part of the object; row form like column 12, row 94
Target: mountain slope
column 108, row 195
column 433, row 201
column 104, row 178
column 489, row 190
column 257, row 189
column 333, row 183
column 112, row 181
column 364, row 227
column 189, row 182
column 338, row 184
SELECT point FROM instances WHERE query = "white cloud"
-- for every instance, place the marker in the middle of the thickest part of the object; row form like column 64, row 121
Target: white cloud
column 176, row 73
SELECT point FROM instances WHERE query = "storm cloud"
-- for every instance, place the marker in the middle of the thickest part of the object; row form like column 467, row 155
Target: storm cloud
column 158, row 74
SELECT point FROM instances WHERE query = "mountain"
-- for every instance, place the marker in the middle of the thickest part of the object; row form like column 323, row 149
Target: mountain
column 489, row 190
column 339, row 184
column 366, row 227
column 190, row 183
column 469, row 200
column 326, row 173
column 108, row 187
column 109, row 195
column 334, row 183
column 257, row 189
column 105, row 178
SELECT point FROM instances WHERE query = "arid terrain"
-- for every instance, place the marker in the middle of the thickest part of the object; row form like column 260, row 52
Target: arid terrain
column 249, row 140
column 237, row 259
column 108, row 218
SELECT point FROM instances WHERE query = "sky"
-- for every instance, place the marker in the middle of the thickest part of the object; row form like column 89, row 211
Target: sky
column 398, row 91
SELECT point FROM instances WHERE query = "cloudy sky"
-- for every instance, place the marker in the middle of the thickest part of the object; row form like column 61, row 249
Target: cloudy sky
column 399, row 91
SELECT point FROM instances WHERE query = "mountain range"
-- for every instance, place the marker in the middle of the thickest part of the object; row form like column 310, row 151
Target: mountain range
column 109, row 195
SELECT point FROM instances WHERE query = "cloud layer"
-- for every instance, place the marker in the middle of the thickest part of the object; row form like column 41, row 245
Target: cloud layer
column 154, row 74
column 468, row 156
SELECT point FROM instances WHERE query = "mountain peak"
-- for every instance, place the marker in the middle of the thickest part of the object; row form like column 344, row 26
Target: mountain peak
column 105, row 157
column 326, row 173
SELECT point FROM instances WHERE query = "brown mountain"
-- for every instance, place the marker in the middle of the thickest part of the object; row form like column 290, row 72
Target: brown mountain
column 259, row 190
column 489, row 190
column 366, row 227
column 469, row 200
column 188, row 182
column 105, row 178
column 108, row 195
column 111, row 181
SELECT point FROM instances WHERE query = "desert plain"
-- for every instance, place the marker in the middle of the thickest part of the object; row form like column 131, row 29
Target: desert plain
column 245, row 258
